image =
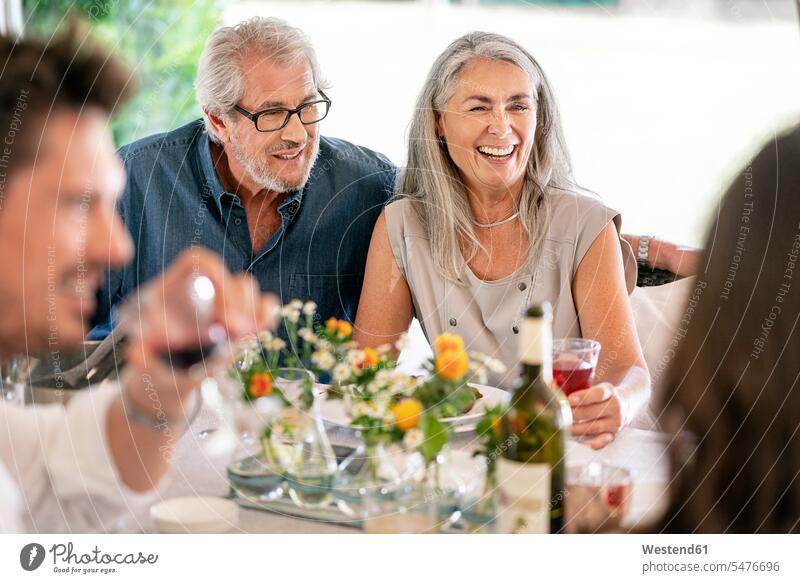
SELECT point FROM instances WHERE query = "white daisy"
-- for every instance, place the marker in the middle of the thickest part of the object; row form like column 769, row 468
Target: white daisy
column 341, row 372
column 324, row 345
column 296, row 304
column 309, row 308
column 355, row 357
column 402, row 343
column 276, row 344
column 495, row 366
column 365, row 408
column 323, row 359
column 307, row 334
column 413, row 438
column 383, row 377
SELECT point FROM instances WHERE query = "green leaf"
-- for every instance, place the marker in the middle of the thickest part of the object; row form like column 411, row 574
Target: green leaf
column 435, row 436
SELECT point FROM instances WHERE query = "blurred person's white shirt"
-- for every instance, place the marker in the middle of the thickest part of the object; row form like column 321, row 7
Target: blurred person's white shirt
column 56, row 469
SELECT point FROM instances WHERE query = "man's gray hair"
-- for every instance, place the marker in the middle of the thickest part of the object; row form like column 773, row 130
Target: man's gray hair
column 220, row 81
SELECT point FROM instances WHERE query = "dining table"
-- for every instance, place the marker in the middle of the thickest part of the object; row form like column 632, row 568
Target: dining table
column 200, row 471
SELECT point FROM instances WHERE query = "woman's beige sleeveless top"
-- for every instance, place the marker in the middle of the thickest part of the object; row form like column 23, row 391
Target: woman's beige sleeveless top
column 487, row 314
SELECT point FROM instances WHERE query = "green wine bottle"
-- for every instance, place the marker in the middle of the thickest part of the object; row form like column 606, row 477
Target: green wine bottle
column 531, row 469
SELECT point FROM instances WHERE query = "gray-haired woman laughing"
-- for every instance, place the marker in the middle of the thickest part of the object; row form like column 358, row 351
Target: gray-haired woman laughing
column 488, row 220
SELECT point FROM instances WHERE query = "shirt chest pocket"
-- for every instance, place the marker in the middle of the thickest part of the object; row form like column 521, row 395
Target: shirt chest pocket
column 335, row 295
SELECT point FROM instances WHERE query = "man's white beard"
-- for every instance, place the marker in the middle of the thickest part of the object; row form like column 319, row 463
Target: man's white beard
column 260, row 174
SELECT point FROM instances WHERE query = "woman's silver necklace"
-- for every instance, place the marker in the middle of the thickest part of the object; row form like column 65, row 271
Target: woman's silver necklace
column 497, row 224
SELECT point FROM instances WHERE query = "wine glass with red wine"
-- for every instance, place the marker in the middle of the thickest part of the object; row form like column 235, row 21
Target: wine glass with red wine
column 180, row 321
column 574, row 363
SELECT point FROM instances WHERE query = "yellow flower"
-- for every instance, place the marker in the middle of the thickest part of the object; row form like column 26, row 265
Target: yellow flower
column 331, row 324
column 370, row 358
column 447, row 342
column 452, row 365
column 406, row 413
column 345, row 328
column 497, row 425
column 260, row 385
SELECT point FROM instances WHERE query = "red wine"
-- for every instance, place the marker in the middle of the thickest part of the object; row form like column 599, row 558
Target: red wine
column 186, row 357
column 572, row 375
column 616, row 495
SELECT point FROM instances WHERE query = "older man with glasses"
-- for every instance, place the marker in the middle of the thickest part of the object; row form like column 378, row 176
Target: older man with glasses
column 253, row 180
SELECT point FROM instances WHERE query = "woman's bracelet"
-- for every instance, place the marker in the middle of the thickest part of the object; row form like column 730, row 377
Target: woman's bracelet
column 158, row 420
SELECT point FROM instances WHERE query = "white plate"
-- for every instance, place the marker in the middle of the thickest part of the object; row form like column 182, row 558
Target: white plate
column 195, row 515
column 333, row 411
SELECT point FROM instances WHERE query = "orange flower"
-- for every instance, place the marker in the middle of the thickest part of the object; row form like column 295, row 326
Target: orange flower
column 331, row 324
column 452, row 365
column 447, row 342
column 370, row 358
column 406, row 413
column 260, row 385
column 345, row 328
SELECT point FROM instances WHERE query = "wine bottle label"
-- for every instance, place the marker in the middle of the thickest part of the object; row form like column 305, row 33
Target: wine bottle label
column 536, row 342
column 525, row 497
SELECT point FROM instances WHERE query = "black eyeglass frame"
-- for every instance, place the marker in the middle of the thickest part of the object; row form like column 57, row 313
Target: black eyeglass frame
column 289, row 113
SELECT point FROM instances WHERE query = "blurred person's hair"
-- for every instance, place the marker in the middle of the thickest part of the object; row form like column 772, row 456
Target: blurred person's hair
column 221, row 77
column 431, row 178
column 40, row 77
column 732, row 389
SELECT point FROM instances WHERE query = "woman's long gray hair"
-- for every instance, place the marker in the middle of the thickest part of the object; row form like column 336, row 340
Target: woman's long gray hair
column 431, row 180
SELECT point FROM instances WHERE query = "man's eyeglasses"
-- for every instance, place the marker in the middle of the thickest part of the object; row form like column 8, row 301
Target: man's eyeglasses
column 271, row 120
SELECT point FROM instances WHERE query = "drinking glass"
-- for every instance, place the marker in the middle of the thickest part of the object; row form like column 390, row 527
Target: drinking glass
column 14, row 375
column 406, row 508
column 574, row 363
column 180, row 323
column 598, row 497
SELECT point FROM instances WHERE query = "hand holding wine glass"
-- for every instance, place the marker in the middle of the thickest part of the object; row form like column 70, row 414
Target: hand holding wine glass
column 180, row 323
column 195, row 303
column 597, row 413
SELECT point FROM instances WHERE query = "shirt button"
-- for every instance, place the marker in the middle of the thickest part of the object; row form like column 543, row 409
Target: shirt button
column 515, row 329
column 522, row 286
column 237, row 222
column 453, row 321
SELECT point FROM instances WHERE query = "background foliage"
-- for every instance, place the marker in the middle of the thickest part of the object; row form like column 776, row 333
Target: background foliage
column 161, row 39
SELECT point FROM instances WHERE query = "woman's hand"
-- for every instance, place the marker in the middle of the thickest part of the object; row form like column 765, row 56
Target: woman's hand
column 597, row 414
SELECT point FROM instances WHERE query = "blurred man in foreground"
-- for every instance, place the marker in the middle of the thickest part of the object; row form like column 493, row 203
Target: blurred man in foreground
column 74, row 468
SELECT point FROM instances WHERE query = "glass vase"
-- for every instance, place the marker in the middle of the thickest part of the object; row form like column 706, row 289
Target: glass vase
column 313, row 462
column 479, row 512
column 368, row 468
column 447, row 486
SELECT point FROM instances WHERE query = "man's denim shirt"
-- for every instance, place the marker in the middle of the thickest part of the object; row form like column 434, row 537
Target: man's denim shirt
column 174, row 200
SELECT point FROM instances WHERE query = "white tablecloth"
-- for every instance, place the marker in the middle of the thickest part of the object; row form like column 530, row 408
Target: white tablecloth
column 199, row 473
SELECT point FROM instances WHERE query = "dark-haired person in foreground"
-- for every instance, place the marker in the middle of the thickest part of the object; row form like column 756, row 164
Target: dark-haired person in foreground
column 75, row 468
column 732, row 391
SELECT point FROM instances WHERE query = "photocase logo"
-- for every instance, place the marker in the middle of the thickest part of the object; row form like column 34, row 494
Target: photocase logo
column 31, row 556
